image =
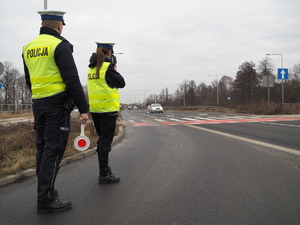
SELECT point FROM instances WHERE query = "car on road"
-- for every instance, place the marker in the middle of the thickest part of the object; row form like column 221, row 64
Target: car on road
column 129, row 107
column 156, row 107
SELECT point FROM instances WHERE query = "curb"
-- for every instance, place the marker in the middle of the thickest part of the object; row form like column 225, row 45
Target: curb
column 24, row 175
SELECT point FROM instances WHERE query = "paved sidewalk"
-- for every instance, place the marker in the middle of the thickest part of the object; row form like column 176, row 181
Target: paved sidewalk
column 23, row 175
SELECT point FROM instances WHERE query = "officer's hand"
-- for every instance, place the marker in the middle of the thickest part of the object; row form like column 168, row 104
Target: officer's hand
column 84, row 119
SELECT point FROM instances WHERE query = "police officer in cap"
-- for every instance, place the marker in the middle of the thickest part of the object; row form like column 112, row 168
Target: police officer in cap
column 53, row 80
column 104, row 101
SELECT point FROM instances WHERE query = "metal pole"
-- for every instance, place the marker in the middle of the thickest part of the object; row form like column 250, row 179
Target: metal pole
column 282, row 81
column 184, row 94
column 268, row 85
column 217, row 90
column 268, row 91
column 45, row 4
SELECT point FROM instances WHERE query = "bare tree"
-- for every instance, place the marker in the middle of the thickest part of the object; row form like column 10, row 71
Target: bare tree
column 8, row 80
column 150, row 99
column 190, row 93
column 214, row 91
column 162, row 97
column 201, row 93
column 183, row 89
column 210, row 98
column 167, row 96
column 292, row 86
column 225, row 88
column 23, row 94
column 295, row 72
column 265, row 68
column 177, row 97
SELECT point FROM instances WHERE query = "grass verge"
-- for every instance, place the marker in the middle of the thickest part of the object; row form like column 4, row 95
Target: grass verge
column 18, row 150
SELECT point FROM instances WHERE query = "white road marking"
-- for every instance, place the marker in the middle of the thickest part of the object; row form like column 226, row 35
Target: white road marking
column 176, row 120
column 159, row 120
column 188, row 119
column 202, row 118
column 283, row 149
column 280, row 124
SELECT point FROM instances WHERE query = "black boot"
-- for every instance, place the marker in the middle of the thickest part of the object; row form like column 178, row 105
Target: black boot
column 55, row 206
column 55, row 193
column 106, row 176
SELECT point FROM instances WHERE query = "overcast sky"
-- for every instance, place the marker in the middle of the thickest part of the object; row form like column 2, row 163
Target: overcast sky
column 163, row 41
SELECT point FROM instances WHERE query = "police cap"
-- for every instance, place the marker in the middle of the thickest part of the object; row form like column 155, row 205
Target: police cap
column 105, row 45
column 50, row 14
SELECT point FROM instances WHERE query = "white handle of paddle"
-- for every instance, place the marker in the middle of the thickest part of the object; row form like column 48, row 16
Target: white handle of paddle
column 82, row 130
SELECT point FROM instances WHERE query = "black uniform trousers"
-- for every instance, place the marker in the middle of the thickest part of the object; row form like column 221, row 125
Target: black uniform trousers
column 105, row 124
column 52, row 125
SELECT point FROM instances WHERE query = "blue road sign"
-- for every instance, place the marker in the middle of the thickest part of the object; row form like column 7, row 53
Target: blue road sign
column 283, row 74
column 0, row 85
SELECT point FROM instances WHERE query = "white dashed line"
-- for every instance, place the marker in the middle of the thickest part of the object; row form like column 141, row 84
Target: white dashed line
column 280, row 124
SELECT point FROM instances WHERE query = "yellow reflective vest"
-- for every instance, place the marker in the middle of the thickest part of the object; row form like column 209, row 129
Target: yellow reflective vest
column 45, row 77
column 102, row 98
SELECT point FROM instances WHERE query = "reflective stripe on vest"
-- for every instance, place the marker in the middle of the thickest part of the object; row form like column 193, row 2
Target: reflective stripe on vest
column 45, row 76
column 101, row 97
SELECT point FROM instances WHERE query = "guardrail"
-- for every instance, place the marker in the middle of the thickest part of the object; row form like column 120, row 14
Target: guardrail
column 15, row 108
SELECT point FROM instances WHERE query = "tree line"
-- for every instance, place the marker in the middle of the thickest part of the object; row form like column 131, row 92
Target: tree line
column 246, row 89
column 14, row 89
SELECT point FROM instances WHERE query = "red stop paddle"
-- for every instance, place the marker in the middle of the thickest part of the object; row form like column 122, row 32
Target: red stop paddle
column 82, row 142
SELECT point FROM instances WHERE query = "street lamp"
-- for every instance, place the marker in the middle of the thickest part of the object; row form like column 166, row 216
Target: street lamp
column 144, row 96
column 282, row 88
column 138, row 94
column 217, row 87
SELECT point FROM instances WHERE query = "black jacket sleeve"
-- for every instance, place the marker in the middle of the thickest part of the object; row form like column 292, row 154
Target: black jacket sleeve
column 26, row 72
column 113, row 78
column 66, row 64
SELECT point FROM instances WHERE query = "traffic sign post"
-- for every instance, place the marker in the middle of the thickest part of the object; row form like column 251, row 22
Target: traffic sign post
column 1, row 71
column 1, row 68
column 268, row 81
column 282, row 74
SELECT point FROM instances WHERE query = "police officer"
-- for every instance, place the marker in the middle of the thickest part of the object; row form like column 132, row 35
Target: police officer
column 52, row 77
column 104, row 101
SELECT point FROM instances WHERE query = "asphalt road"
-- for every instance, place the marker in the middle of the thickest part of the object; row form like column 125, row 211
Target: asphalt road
column 176, row 173
column 277, row 130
